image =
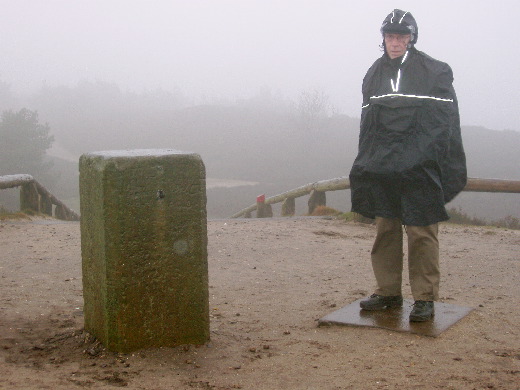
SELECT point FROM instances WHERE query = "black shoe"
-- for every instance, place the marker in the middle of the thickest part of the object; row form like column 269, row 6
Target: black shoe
column 422, row 311
column 380, row 302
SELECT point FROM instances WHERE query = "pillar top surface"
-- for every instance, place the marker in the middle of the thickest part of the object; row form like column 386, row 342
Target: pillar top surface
column 132, row 153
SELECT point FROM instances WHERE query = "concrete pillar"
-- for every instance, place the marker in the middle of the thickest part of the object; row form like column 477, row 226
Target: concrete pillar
column 144, row 248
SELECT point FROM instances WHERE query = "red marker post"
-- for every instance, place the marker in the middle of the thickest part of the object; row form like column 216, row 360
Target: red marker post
column 263, row 210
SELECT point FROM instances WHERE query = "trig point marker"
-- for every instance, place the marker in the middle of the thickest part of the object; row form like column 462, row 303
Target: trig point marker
column 144, row 248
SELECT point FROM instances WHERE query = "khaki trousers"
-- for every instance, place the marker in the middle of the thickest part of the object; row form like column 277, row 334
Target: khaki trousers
column 423, row 259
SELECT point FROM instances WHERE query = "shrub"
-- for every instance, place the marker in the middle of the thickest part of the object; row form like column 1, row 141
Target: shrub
column 509, row 222
column 461, row 218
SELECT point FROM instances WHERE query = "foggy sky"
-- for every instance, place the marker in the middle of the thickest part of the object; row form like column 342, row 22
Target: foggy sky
column 211, row 49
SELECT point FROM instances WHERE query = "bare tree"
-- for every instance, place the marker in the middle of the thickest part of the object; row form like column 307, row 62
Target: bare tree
column 313, row 106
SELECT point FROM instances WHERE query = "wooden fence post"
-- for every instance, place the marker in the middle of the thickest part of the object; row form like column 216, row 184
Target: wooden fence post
column 317, row 198
column 263, row 210
column 29, row 198
column 60, row 213
column 45, row 205
column 288, row 207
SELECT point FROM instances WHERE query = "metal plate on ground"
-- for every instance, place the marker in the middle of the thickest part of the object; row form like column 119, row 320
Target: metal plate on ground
column 397, row 319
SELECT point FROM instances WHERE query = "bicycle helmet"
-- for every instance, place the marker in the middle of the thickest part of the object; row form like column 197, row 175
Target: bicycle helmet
column 400, row 22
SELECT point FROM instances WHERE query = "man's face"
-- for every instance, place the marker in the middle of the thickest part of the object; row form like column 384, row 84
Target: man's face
column 396, row 44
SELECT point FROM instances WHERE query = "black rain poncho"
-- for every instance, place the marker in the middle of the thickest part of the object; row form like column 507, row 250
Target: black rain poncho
column 410, row 161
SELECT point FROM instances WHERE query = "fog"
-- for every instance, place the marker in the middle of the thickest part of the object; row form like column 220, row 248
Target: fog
column 230, row 49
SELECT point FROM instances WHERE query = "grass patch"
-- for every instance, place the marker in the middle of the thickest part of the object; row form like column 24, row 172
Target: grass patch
column 8, row 215
column 325, row 211
column 18, row 215
column 355, row 217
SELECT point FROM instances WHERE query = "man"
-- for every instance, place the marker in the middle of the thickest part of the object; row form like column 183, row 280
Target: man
column 410, row 163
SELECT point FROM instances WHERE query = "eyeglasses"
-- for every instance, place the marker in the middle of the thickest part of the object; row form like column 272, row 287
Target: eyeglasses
column 397, row 37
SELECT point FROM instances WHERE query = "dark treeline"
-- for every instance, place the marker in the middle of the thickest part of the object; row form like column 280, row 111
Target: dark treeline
column 268, row 139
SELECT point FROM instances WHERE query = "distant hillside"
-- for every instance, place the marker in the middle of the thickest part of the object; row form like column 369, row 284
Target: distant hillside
column 491, row 153
column 269, row 143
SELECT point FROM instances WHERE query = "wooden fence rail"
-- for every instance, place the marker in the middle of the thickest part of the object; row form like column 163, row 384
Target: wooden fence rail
column 318, row 189
column 35, row 197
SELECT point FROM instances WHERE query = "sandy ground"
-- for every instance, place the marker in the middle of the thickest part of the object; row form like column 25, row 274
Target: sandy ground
column 270, row 281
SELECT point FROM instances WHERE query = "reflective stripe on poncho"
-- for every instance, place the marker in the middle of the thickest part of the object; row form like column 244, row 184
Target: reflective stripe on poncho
column 410, row 161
